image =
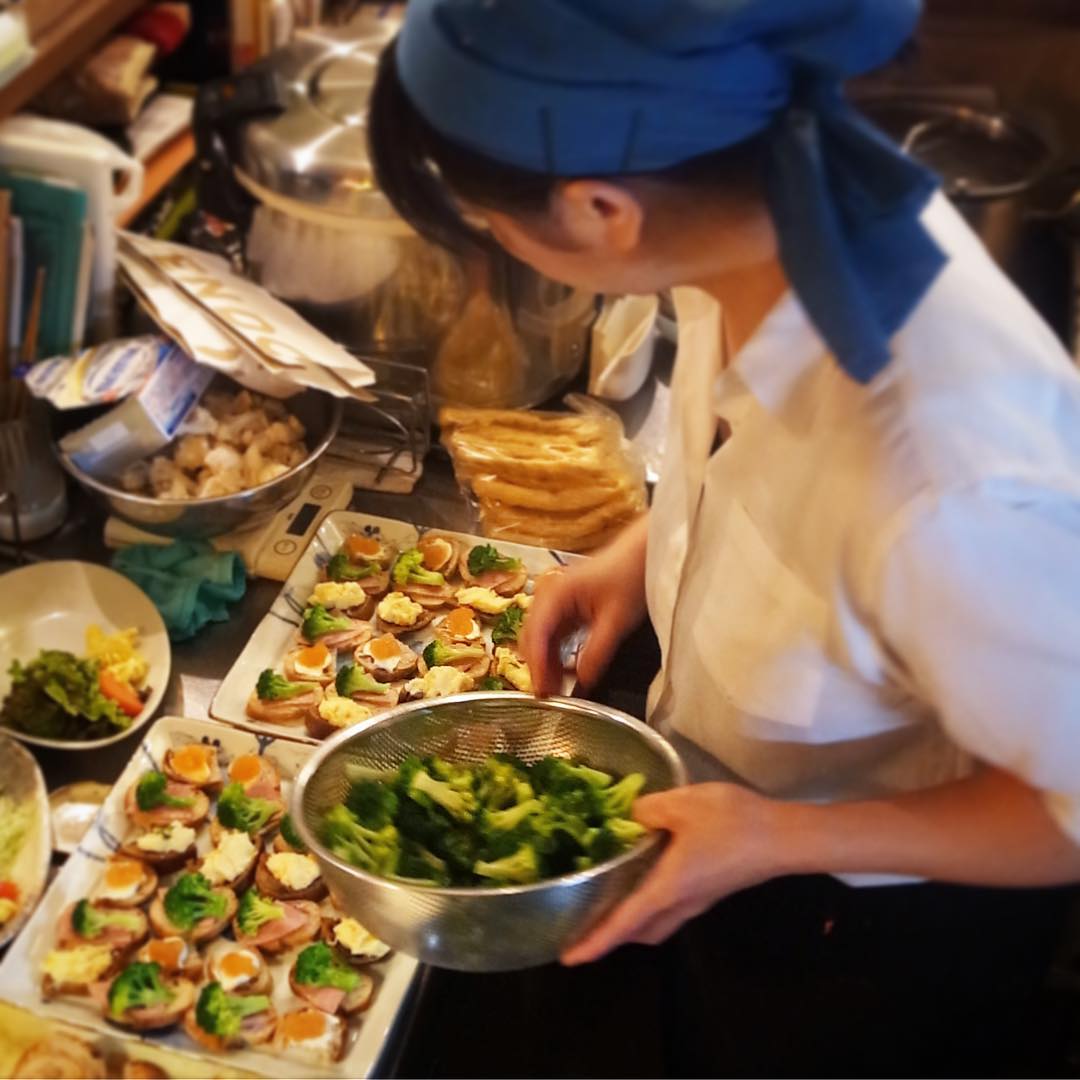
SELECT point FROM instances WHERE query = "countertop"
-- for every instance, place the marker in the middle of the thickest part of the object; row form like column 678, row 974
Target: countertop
column 438, row 1036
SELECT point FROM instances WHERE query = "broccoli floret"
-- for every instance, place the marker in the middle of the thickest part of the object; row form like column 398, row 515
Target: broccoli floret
column 508, row 626
column 138, row 986
column 613, row 838
column 416, row 863
column 240, row 811
column 274, row 687
column 617, row 800
column 502, row 782
column 460, row 805
column 373, row 804
column 150, row 793
column 438, row 653
column 318, row 965
column 492, row 682
column 318, row 622
column 255, row 910
column 342, row 568
column 626, row 831
column 193, row 899
column 88, row 921
column 557, row 774
column 518, row 869
column 290, row 835
column 512, row 817
column 409, row 570
column 373, row 850
column 352, row 679
column 487, row 557
column 219, row 1013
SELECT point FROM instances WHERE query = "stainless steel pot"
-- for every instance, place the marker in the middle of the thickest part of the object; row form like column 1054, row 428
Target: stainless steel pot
column 202, row 518
column 320, row 235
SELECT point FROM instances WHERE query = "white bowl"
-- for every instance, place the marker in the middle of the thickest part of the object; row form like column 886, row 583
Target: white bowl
column 49, row 606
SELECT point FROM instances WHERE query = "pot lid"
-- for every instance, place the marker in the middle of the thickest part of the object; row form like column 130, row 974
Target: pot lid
column 315, row 151
column 979, row 154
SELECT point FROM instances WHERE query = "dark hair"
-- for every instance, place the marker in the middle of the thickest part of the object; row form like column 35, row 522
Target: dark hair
column 417, row 168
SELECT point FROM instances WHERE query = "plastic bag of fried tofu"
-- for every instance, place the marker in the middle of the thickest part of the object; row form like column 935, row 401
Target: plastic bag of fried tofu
column 565, row 481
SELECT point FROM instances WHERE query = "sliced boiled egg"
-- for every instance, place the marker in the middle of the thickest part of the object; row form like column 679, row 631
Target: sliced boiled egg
column 313, row 662
column 461, row 624
column 235, row 968
column 245, row 768
column 193, row 762
column 311, row 1030
column 169, row 953
column 385, row 652
column 121, row 880
column 366, row 549
column 437, row 552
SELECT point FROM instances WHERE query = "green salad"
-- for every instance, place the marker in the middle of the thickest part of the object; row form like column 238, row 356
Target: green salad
column 58, row 696
column 498, row 823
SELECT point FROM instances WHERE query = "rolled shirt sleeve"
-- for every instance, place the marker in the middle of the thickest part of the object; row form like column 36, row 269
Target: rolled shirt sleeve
column 980, row 605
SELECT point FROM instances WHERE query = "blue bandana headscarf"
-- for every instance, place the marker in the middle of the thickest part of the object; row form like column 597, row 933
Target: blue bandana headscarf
column 614, row 87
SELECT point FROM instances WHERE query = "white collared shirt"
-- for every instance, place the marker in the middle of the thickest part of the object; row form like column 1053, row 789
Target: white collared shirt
column 867, row 589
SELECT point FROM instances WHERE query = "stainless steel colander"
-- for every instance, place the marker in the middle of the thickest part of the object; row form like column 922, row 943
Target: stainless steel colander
column 485, row 929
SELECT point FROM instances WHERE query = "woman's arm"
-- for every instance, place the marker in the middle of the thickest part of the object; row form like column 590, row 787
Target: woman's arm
column 990, row 829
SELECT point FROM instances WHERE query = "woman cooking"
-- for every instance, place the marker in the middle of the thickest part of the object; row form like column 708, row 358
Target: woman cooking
column 861, row 560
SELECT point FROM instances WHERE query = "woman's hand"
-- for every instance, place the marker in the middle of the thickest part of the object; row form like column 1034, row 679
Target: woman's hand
column 722, row 840
column 606, row 594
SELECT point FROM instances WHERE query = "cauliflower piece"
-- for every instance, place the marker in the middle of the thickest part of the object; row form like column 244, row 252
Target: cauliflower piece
column 191, row 451
column 276, row 434
column 222, row 459
column 200, row 421
column 271, row 471
column 242, row 403
column 136, row 477
column 253, row 464
column 228, row 482
column 163, row 472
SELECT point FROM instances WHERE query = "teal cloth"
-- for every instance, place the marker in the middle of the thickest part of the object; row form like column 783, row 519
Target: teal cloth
column 189, row 582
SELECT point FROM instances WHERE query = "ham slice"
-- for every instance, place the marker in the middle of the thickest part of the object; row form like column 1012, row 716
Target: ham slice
column 164, row 815
column 295, row 915
column 431, row 596
column 266, row 787
column 358, row 634
column 327, row 999
column 99, row 993
column 116, row 936
column 287, row 711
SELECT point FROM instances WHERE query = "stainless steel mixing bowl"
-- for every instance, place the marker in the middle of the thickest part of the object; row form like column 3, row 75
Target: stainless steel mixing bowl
column 484, row 929
column 200, row 518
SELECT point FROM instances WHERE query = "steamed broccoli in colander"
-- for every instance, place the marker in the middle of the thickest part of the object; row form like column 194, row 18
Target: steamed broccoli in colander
column 501, row 822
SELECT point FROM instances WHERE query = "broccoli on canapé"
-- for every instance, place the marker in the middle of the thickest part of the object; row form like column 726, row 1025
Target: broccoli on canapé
column 191, row 899
column 508, row 626
column 442, row 653
column 318, row 622
column 255, row 911
column 151, row 791
column 274, row 687
column 318, row 965
column 352, row 679
column 138, row 986
column 486, row 557
column 222, row 1014
column 409, row 570
column 90, row 922
column 242, row 812
column 342, row 568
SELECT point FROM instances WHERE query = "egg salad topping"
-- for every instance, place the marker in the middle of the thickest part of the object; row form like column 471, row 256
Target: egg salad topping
column 510, row 666
column 486, row 600
column 342, row 712
column 338, row 594
column 398, row 609
column 229, row 859
column 172, row 838
column 358, row 940
column 292, row 870
column 81, row 965
column 441, row 681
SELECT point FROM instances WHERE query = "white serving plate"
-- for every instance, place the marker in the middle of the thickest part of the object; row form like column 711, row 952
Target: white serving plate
column 49, row 606
column 21, row 780
column 275, row 634
column 20, row 983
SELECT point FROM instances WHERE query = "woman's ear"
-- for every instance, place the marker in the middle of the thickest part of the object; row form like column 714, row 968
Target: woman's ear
column 598, row 217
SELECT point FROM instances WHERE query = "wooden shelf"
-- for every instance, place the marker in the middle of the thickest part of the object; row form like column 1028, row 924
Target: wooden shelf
column 160, row 169
column 62, row 45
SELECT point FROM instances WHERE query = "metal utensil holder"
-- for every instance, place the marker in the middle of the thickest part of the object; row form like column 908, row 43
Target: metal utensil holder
column 392, row 432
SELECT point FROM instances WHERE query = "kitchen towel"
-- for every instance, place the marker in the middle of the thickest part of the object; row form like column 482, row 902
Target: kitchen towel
column 189, row 582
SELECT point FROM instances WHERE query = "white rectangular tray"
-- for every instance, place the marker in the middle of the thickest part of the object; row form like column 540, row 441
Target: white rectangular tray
column 19, row 974
column 267, row 646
